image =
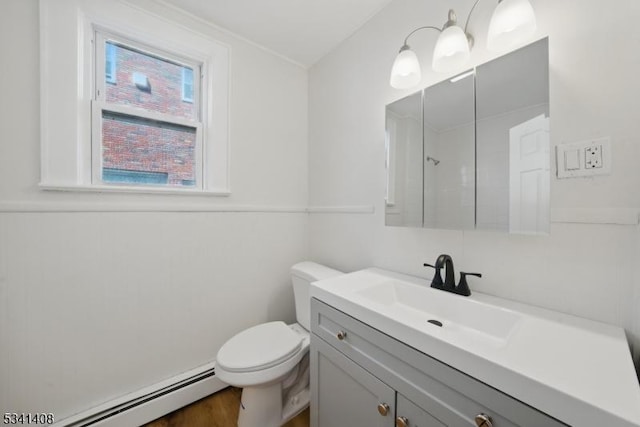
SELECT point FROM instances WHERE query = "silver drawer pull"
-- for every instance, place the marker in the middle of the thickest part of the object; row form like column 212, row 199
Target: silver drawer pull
column 341, row 335
column 483, row 420
column 402, row 422
column 383, row 409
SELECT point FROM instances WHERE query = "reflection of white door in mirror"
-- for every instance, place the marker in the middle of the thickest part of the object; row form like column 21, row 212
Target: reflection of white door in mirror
column 529, row 177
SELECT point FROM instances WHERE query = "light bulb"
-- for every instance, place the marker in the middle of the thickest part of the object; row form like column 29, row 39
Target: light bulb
column 451, row 51
column 406, row 69
column 513, row 21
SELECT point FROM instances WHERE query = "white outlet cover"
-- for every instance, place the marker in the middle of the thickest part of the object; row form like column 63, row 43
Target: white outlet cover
column 601, row 144
column 593, row 156
column 572, row 159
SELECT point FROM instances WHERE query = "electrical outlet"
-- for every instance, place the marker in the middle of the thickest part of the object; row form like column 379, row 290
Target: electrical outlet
column 584, row 158
column 593, row 157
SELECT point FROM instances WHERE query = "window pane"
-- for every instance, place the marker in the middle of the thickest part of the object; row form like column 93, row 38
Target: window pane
column 110, row 62
column 134, row 177
column 142, row 151
column 145, row 81
column 187, row 84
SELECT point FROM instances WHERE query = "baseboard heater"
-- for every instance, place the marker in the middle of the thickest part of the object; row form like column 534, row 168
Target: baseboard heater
column 150, row 403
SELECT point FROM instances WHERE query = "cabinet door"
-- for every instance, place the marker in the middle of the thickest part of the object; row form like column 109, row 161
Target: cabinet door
column 411, row 415
column 344, row 394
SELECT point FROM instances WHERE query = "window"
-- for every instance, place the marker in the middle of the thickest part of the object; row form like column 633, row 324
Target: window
column 121, row 175
column 110, row 63
column 142, row 129
column 140, row 104
column 187, row 84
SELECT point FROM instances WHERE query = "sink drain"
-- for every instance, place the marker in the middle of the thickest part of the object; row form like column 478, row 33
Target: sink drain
column 435, row 322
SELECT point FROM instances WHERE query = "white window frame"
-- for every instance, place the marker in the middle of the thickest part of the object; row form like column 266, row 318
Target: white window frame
column 100, row 105
column 68, row 89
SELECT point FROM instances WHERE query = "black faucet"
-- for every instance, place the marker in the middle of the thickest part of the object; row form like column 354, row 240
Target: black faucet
column 449, row 284
column 446, row 262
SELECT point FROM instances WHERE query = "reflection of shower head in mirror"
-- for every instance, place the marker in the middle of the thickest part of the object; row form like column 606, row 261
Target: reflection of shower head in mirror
column 435, row 162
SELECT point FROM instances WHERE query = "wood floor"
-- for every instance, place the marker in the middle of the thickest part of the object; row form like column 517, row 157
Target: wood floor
column 218, row 410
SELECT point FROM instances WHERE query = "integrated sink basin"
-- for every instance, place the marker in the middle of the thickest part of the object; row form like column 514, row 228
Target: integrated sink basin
column 575, row 370
column 427, row 309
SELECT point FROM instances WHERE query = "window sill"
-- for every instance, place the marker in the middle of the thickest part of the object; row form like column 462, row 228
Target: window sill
column 135, row 190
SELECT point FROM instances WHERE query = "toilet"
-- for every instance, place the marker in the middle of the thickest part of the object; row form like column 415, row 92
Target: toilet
column 270, row 361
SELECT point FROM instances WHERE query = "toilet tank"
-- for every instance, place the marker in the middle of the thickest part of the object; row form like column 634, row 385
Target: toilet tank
column 302, row 274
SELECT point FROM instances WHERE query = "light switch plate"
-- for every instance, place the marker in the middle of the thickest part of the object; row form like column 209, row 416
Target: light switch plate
column 593, row 158
column 572, row 159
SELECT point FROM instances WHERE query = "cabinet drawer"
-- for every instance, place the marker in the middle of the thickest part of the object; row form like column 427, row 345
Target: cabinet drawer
column 449, row 395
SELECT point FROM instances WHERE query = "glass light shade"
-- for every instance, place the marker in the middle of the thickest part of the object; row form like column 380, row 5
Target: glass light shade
column 406, row 70
column 451, row 51
column 513, row 21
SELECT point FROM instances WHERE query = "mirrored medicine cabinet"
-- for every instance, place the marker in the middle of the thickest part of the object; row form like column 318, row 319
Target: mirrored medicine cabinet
column 473, row 152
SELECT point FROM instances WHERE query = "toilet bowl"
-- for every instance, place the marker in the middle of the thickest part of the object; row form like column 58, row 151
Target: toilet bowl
column 271, row 360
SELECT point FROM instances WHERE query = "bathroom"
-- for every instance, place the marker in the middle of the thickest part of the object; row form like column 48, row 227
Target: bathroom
column 105, row 294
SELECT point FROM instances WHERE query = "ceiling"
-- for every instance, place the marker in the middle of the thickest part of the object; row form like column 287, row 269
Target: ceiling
column 301, row 30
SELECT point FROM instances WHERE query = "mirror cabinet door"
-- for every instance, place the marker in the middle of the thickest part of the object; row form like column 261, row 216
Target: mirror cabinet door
column 449, row 154
column 404, row 162
column 473, row 152
column 512, row 146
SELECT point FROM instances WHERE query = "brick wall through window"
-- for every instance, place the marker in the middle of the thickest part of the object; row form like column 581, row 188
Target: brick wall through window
column 136, row 144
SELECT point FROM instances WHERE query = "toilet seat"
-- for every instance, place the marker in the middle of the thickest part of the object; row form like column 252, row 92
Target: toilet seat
column 259, row 348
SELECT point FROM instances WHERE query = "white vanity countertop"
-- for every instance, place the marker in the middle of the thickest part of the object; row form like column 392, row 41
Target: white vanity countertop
column 575, row 370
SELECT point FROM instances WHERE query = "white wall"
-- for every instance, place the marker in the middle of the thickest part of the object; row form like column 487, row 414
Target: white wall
column 95, row 302
column 582, row 269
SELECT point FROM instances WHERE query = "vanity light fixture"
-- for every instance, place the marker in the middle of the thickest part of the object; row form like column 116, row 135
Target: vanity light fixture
column 512, row 22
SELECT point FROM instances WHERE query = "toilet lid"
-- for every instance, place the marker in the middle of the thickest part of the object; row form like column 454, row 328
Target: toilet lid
column 259, row 347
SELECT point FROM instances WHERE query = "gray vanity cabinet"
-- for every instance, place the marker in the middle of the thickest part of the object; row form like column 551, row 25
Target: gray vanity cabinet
column 361, row 377
column 348, row 395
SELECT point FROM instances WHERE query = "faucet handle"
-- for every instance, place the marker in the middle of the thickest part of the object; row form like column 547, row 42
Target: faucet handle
column 436, row 282
column 463, row 287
